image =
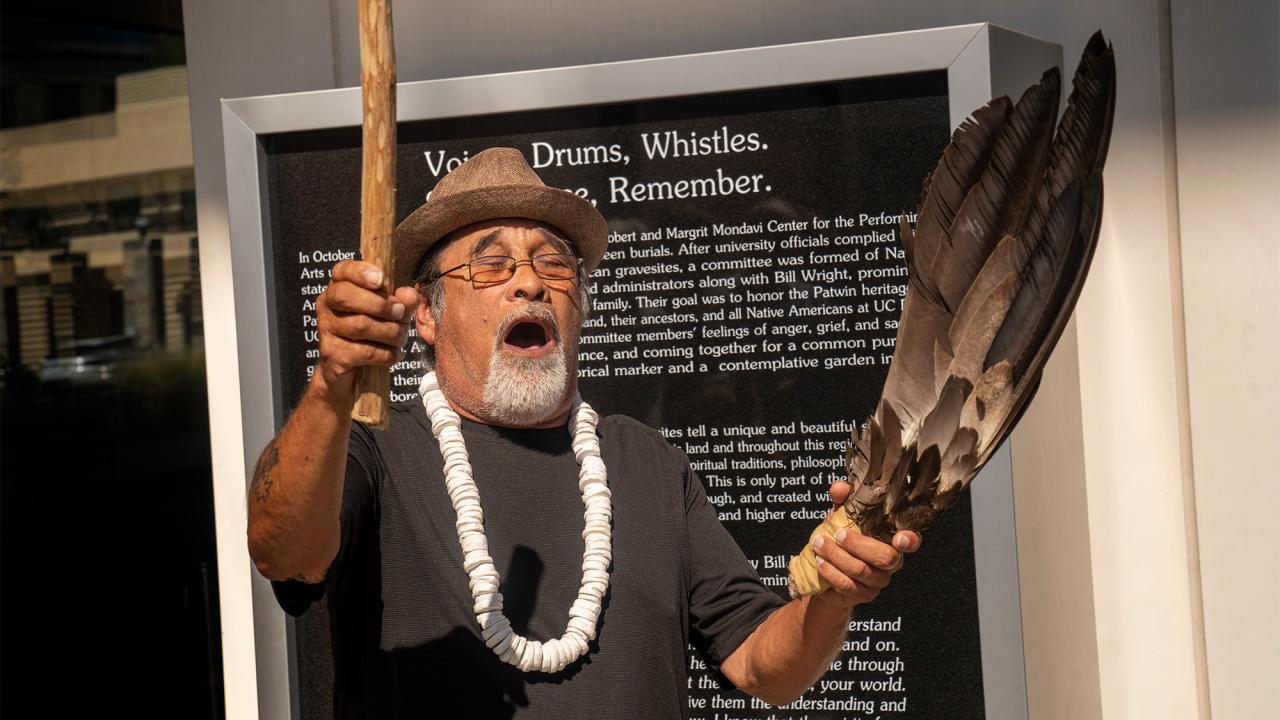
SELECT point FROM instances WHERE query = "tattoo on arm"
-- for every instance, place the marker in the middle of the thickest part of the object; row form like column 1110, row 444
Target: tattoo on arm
column 260, row 488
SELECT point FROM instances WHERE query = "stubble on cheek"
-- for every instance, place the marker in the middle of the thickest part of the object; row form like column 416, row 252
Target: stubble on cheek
column 462, row 351
column 572, row 341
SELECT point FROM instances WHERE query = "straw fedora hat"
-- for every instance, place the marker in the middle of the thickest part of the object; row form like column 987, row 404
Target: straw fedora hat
column 496, row 183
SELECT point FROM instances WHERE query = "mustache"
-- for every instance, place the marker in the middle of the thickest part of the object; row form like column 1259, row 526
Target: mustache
column 528, row 313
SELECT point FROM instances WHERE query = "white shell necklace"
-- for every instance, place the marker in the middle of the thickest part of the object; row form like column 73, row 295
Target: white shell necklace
column 495, row 628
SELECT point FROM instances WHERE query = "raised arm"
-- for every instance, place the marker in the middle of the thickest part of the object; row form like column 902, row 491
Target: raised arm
column 296, row 492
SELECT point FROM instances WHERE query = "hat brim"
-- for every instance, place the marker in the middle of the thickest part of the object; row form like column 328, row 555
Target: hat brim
column 575, row 217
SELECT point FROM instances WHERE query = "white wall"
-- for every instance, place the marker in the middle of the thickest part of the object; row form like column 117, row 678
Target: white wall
column 238, row 48
column 1111, row 586
column 1226, row 72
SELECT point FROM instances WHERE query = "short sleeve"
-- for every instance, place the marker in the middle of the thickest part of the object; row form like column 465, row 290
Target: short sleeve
column 727, row 600
column 358, row 505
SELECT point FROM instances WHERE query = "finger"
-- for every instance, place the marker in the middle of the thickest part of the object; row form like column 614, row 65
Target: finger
column 897, row 565
column 868, row 549
column 358, row 327
column 839, row 492
column 907, row 541
column 846, row 587
column 366, row 275
column 346, row 355
column 346, row 297
column 856, row 568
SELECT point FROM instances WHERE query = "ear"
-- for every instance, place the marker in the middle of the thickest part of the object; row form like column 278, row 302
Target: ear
column 425, row 321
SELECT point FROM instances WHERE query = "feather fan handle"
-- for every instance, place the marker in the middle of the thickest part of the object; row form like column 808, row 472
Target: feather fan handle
column 1007, row 227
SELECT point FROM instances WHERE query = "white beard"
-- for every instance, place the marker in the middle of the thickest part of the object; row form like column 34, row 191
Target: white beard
column 523, row 391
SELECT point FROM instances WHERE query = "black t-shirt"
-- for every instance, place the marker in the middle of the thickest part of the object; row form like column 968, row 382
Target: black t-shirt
column 405, row 640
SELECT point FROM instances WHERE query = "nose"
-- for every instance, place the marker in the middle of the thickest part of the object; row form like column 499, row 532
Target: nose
column 526, row 284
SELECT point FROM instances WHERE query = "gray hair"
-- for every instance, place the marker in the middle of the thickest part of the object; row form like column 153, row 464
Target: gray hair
column 429, row 287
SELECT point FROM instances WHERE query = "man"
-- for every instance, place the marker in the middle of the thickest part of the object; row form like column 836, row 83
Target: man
column 409, row 532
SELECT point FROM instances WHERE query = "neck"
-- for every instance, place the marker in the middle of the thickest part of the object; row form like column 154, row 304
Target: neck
column 558, row 420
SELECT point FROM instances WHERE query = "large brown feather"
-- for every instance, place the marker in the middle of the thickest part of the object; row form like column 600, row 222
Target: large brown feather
column 1006, row 230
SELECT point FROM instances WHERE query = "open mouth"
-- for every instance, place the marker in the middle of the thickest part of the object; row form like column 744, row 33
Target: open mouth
column 528, row 336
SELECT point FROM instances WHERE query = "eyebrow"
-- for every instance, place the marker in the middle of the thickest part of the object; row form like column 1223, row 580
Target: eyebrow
column 485, row 242
column 559, row 242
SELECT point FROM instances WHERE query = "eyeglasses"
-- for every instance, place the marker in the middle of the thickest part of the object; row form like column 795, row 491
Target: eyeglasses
column 501, row 268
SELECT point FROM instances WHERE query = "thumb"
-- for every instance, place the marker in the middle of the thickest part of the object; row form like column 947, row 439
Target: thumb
column 839, row 492
column 409, row 298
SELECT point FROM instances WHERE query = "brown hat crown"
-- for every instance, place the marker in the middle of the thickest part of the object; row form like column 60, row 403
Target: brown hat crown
column 495, row 166
column 496, row 183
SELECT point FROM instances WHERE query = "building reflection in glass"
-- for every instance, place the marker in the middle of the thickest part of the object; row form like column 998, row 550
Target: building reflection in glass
column 98, row 258
column 107, row 497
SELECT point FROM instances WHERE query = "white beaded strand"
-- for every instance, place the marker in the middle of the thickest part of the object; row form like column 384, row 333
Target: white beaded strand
column 528, row 655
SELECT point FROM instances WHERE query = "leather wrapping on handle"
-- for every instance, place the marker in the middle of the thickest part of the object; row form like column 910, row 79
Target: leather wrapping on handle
column 802, row 572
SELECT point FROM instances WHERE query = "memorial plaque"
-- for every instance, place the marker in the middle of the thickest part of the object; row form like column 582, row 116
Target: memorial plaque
column 747, row 308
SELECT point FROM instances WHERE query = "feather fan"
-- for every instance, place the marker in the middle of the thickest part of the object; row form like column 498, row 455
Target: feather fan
column 1005, row 232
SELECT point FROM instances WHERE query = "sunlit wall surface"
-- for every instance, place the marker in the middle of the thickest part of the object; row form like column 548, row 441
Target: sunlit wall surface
column 109, row 588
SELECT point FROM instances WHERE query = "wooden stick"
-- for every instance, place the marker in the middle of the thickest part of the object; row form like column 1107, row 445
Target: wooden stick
column 377, row 183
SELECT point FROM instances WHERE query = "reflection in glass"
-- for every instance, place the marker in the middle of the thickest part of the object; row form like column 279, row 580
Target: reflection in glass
column 108, row 550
